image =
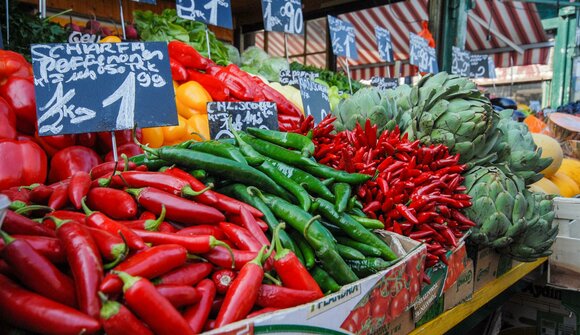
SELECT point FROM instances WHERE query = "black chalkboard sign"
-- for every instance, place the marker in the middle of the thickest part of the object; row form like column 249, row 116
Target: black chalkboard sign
column 88, row 87
column 244, row 115
column 342, row 36
column 78, row 37
column 461, row 64
column 214, row 12
column 422, row 55
column 383, row 83
column 482, row 66
column 150, row 2
column 283, row 16
column 315, row 99
column 288, row 77
column 384, row 44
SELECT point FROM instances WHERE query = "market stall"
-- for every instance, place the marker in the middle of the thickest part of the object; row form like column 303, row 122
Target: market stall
column 162, row 181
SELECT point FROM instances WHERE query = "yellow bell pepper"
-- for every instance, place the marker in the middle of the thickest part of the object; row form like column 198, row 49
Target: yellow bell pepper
column 153, row 137
column 110, row 39
column 191, row 98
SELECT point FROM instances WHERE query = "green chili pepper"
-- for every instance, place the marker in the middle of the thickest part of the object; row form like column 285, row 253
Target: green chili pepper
column 357, row 212
column 290, row 185
column 287, row 140
column 366, row 250
column 369, row 223
column 220, row 149
column 324, row 280
column 240, row 192
column 369, row 266
column 304, row 247
column 354, row 230
column 222, row 167
column 342, row 194
column 308, row 181
column 198, row 174
column 151, row 164
column 252, row 156
column 324, row 171
column 353, row 203
column 349, row 253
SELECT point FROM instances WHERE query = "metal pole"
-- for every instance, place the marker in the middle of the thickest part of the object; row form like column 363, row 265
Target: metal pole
column 42, row 8
column 207, row 42
column 286, row 47
column 348, row 74
column 7, row 24
column 122, row 19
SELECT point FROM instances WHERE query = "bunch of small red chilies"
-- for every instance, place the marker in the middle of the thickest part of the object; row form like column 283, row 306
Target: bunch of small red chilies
column 416, row 190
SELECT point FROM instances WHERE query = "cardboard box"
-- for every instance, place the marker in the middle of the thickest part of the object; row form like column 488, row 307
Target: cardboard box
column 402, row 325
column 462, row 290
column 485, row 263
column 364, row 307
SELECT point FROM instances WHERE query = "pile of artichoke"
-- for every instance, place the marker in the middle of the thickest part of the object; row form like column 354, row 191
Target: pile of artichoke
column 500, row 152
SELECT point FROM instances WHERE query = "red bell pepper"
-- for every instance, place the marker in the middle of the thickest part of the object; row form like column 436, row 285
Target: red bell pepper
column 187, row 55
column 19, row 94
column 13, row 64
column 197, row 315
column 188, row 274
column 178, row 71
column 53, row 144
column 47, row 246
column 87, row 139
column 24, row 163
column 20, row 194
column 114, row 203
column 36, row 271
column 7, row 121
column 283, row 105
column 35, row 313
column 118, row 320
column 151, row 307
column 129, row 149
column 283, row 297
column 179, row 295
column 71, row 160
column 215, row 87
column 105, row 142
column 240, row 84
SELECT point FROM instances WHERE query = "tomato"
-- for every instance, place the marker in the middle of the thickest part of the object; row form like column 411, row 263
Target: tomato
column 379, row 304
column 414, row 288
column 356, row 319
column 399, row 303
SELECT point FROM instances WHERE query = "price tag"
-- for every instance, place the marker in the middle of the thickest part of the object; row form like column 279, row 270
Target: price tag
column 289, row 77
column 482, row 66
column 384, row 44
column 284, row 16
column 315, row 99
column 78, row 37
column 342, row 38
column 214, row 12
column 150, row 2
column 422, row 55
column 461, row 64
column 89, row 87
column 244, row 115
column 384, row 83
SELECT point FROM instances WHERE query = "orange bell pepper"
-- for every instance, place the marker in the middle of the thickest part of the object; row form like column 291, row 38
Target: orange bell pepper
column 191, row 98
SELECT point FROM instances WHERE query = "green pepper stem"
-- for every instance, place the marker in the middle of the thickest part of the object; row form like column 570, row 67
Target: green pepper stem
column 259, row 258
column 213, row 242
column 86, row 208
column 252, row 189
column 6, row 238
column 58, row 222
column 153, row 225
column 31, row 208
column 309, row 223
column 328, row 181
column 203, row 139
column 273, row 279
column 128, row 280
column 188, row 191
column 29, row 187
column 134, row 191
column 126, row 160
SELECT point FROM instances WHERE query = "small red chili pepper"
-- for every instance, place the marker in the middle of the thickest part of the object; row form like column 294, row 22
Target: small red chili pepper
column 149, row 224
column 193, row 244
column 448, row 234
column 108, row 167
column 40, row 193
column 47, row 246
column 118, row 320
column 196, row 316
column 418, row 235
column 151, row 307
column 406, row 213
column 283, row 297
column 21, row 225
column 223, row 280
column 372, row 207
column 203, row 230
column 111, row 246
column 222, row 257
column 188, row 274
column 424, row 217
column 179, row 295
column 207, row 198
column 78, row 188
column 114, row 203
column 464, row 220
column 59, row 197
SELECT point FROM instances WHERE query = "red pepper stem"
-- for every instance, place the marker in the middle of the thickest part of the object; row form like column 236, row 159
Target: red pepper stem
column 213, row 242
column 273, row 279
column 134, row 191
column 58, row 222
column 86, row 208
column 128, row 280
column 309, row 223
column 153, row 225
column 189, row 192
column 7, row 238
column 25, row 209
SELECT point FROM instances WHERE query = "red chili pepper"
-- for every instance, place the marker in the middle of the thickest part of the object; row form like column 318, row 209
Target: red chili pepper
column 241, row 86
column 178, row 209
column 111, row 246
column 231, row 205
column 178, row 71
column 127, row 149
column 36, row 271
column 242, row 238
column 118, row 320
column 179, row 295
column 464, row 220
column 193, row 244
column 101, row 221
column 18, row 224
column 187, row 55
column 222, row 257
column 188, row 274
column 71, row 160
column 24, row 163
column 208, row 197
column 59, row 197
column 108, row 167
column 216, row 88
column 40, row 193
column 151, row 307
column 47, row 246
column 149, row 263
column 203, row 230
column 449, row 236
column 35, row 313
column 78, row 188
column 243, row 292
column 162, row 181
column 85, row 263
column 112, row 202
column 223, row 280
column 149, row 224
column 284, row 297
column 262, row 311
column 418, row 235
column 196, row 316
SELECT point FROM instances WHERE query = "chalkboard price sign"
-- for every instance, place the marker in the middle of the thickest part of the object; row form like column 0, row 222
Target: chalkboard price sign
column 384, row 44
column 342, row 38
column 243, row 115
column 214, row 12
column 284, row 16
column 150, row 2
column 482, row 66
column 383, row 83
column 422, row 55
column 315, row 99
column 289, row 77
column 88, row 87
column 461, row 64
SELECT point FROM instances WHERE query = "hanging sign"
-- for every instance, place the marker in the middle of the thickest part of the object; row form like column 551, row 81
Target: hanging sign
column 283, row 16
column 461, row 64
column 315, row 99
column 422, row 55
column 383, row 83
column 89, row 87
column 384, row 44
column 289, row 77
column 243, row 115
column 342, row 38
column 150, row 2
column 482, row 66
column 213, row 12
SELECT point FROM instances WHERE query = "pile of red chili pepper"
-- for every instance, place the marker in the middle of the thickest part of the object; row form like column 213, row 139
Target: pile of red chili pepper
column 119, row 266
column 416, row 190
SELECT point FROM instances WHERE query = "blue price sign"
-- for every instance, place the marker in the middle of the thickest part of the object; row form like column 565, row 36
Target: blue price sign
column 482, row 66
column 384, row 44
column 284, row 16
column 150, row 2
column 461, row 64
column 422, row 55
column 342, row 38
column 384, row 84
column 214, row 12
column 315, row 99
column 88, row 87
